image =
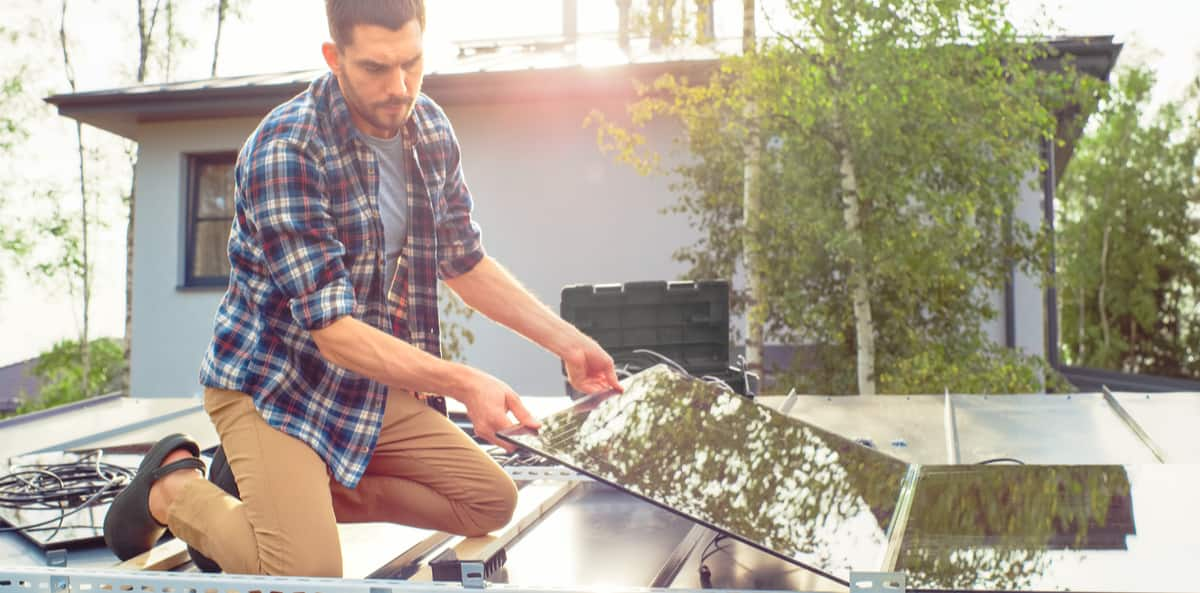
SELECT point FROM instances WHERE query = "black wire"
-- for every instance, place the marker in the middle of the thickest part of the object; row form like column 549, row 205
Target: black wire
column 70, row 487
column 1001, row 460
column 714, row 545
column 662, row 358
column 710, row 550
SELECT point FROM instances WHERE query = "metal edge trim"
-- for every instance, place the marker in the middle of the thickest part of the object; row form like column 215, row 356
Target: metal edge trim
column 950, row 424
column 899, row 524
column 1133, row 425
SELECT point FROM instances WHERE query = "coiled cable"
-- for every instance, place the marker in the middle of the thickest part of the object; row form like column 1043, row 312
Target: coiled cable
column 68, row 487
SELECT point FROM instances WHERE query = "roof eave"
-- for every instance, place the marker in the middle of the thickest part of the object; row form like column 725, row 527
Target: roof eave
column 121, row 112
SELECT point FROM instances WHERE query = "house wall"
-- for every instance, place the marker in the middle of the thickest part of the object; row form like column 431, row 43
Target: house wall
column 171, row 325
column 1029, row 313
column 1028, row 298
column 553, row 209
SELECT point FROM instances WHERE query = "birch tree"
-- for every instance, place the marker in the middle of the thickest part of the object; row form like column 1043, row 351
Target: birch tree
column 1128, row 223
column 895, row 137
column 83, row 266
column 11, row 133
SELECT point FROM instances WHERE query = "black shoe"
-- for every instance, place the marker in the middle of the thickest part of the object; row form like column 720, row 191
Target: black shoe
column 221, row 475
column 129, row 528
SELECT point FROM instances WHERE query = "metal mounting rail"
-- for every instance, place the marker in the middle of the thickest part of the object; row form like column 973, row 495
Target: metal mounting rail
column 1133, row 425
column 950, row 427
column 67, row 580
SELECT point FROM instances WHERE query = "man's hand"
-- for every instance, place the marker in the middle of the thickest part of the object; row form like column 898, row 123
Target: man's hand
column 590, row 368
column 488, row 401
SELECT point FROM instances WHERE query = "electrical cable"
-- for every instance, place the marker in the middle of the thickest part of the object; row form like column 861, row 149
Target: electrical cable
column 69, row 487
column 712, row 548
column 993, row 460
column 662, row 358
column 718, row 382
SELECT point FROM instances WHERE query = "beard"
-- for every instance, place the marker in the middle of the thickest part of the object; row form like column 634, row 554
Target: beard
column 389, row 114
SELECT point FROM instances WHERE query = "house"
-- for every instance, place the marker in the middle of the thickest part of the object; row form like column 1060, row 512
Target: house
column 553, row 208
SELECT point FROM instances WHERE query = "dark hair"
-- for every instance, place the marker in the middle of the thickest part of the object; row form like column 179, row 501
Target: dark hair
column 344, row 15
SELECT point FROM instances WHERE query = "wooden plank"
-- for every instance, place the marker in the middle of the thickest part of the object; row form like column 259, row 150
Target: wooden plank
column 533, row 501
column 397, row 568
column 164, row 556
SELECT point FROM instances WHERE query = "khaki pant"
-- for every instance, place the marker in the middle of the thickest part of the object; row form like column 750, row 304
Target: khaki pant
column 425, row 472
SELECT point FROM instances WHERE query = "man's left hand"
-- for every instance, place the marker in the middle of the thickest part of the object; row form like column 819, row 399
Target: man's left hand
column 590, row 368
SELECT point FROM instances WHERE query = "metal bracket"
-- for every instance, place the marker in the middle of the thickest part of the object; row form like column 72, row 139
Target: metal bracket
column 876, row 582
column 544, row 472
column 58, row 582
column 472, row 575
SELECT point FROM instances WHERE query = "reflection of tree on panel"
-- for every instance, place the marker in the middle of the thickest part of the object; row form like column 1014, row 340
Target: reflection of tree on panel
column 828, row 502
column 975, row 527
column 717, row 456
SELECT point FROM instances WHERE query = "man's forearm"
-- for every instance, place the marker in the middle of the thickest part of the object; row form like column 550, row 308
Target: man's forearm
column 358, row 347
column 491, row 290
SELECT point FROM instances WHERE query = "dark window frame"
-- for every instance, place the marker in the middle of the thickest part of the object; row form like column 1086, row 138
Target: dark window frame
column 194, row 162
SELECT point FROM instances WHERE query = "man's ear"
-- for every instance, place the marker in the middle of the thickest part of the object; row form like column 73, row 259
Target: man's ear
column 330, row 51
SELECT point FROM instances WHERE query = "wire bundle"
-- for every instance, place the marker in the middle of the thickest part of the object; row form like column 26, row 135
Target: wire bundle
column 68, row 487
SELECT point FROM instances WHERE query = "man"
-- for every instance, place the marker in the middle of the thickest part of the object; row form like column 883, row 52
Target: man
column 350, row 203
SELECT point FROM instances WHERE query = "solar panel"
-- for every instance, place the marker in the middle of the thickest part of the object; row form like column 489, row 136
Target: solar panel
column 781, row 485
column 831, row 505
column 1053, row 528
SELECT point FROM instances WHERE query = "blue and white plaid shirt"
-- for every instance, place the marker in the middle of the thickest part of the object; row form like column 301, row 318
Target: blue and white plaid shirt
column 306, row 249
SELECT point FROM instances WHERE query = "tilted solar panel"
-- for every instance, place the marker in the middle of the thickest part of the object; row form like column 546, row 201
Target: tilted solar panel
column 831, row 505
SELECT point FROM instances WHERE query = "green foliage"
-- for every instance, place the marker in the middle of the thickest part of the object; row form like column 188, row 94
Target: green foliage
column 12, row 240
column 1129, row 263
column 940, row 111
column 963, row 367
column 60, row 373
column 454, row 332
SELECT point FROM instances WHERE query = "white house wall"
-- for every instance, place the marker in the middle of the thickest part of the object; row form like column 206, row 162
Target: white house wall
column 171, row 327
column 1028, row 297
column 554, row 211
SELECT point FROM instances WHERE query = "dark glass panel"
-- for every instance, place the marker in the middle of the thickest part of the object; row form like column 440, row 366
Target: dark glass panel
column 209, row 255
column 214, row 196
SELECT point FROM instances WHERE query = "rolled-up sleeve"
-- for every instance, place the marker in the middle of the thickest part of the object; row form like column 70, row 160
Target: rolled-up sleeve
column 459, row 238
column 289, row 210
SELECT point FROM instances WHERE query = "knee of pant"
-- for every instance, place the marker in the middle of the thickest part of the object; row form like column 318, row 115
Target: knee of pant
column 317, row 559
column 494, row 508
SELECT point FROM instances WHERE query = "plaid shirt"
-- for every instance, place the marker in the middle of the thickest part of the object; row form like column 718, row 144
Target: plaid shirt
column 306, row 249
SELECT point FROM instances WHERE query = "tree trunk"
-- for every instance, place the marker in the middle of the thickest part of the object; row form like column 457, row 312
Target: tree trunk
column 751, row 208
column 222, row 5
column 860, row 290
column 705, row 31
column 85, row 350
column 623, row 9
column 662, row 23
column 1100, row 293
column 1081, row 349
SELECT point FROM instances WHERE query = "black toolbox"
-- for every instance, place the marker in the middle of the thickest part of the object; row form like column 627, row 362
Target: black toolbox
column 687, row 322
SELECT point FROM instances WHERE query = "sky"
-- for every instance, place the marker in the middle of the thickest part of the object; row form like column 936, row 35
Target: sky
column 285, row 35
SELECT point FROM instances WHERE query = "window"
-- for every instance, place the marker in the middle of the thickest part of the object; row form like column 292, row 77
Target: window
column 209, row 217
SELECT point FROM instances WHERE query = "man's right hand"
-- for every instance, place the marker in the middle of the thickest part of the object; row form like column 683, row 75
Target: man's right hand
column 488, row 401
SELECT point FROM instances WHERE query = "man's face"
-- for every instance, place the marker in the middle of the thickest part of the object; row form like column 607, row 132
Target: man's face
column 380, row 73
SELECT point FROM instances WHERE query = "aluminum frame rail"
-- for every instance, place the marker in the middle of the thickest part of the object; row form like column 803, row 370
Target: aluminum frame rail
column 68, row 580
